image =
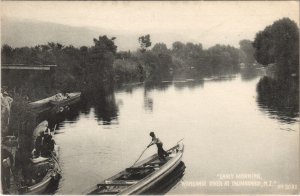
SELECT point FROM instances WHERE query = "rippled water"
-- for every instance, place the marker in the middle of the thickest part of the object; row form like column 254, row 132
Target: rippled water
column 226, row 130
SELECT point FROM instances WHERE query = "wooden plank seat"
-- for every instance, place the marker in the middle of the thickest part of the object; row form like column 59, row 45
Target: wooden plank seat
column 154, row 164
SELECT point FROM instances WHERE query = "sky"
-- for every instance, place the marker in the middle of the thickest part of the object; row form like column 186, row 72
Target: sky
column 206, row 22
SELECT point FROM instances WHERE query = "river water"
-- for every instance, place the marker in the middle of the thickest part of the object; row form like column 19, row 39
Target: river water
column 227, row 133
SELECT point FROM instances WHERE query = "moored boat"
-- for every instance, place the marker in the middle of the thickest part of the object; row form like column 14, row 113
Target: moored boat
column 68, row 98
column 40, row 103
column 142, row 176
column 43, row 167
column 59, row 100
column 45, row 171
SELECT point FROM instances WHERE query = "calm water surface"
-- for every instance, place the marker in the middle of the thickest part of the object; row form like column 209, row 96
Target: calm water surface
column 225, row 130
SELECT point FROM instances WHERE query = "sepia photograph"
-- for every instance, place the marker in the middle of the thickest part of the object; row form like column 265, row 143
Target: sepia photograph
column 150, row 98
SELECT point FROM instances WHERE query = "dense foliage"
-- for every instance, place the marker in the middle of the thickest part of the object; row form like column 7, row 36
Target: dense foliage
column 88, row 68
column 145, row 42
column 187, row 59
column 84, row 68
column 279, row 44
column 247, row 52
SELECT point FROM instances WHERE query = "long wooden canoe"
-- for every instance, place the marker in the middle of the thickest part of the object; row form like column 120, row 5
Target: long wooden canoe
column 140, row 177
column 52, row 175
column 57, row 100
column 66, row 100
column 40, row 187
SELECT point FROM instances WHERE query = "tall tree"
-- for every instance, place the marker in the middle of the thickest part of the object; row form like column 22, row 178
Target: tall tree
column 248, row 51
column 160, row 48
column 279, row 44
column 145, row 42
column 100, row 61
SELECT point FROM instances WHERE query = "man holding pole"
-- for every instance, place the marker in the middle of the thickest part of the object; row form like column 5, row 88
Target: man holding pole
column 160, row 151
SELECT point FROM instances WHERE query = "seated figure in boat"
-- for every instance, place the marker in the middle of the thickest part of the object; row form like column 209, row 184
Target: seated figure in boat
column 44, row 145
column 160, row 151
column 48, row 145
column 39, row 144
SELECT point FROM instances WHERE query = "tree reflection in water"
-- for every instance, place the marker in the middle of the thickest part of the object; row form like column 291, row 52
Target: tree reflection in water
column 279, row 98
column 190, row 84
column 249, row 73
column 104, row 103
column 160, row 86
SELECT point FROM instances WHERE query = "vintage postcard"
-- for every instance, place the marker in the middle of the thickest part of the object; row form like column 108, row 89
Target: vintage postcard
column 141, row 97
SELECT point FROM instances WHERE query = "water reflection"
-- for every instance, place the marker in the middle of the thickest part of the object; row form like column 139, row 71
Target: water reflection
column 249, row 73
column 94, row 148
column 279, row 99
column 168, row 182
column 148, row 101
column 52, row 188
column 161, row 86
column 102, row 102
column 106, row 109
column 190, row 84
column 128, row 88
column 70, row 114
column 222, row 78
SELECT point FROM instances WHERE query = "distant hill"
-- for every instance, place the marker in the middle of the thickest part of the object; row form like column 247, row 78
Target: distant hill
column 17, row 33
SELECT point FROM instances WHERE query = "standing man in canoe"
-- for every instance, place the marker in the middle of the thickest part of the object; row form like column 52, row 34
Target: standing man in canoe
column 160, row 151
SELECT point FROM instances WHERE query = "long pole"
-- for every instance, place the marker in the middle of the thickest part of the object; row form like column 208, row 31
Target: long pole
column 179, row 140
column 141, row 155
column 146, row 149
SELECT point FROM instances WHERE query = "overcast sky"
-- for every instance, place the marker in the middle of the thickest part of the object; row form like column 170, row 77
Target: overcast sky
column 208, row 22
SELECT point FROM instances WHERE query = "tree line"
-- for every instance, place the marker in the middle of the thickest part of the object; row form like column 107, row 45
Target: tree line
column 188, row 59
column 83, row 68
column 99, row 66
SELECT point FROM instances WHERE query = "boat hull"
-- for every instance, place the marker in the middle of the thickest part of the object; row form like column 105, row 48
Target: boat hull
column 39, row 188
column 149, row 181
column 50, row 102
column 51, row 176
column 152, row 171
column 74, row 97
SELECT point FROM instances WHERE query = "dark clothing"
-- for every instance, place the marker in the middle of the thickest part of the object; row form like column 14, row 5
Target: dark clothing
column 161, row 152
column 51, row 145
column 48, row 146
column 38, row 146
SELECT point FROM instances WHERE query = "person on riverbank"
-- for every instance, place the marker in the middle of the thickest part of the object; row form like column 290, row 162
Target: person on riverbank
column 160, row 151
